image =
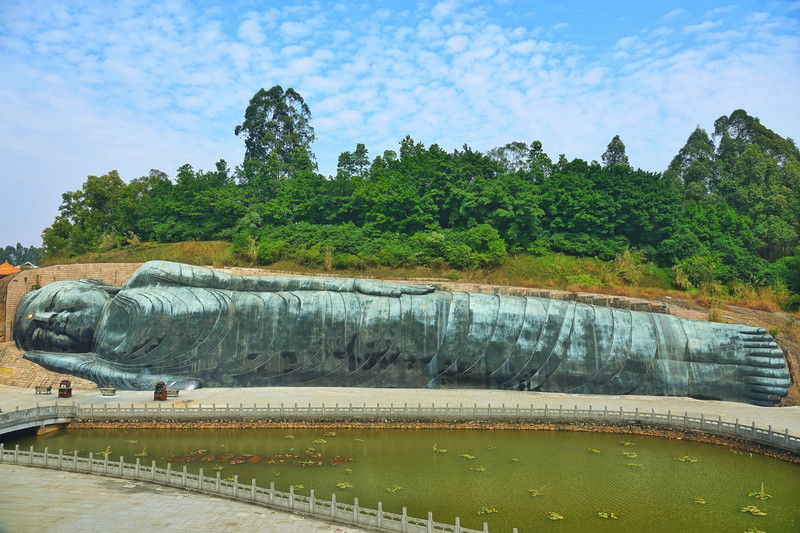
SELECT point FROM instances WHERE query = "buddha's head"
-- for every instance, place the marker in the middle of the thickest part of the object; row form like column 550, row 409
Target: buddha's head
column 61, row 316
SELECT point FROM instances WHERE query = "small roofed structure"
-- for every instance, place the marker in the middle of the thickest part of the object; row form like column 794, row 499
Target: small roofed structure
column 6, row 268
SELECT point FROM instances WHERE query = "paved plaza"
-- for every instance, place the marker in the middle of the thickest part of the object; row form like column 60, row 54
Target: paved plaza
column 33, row 499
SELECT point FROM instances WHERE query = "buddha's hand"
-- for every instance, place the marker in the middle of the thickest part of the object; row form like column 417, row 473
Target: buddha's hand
column 394, row 290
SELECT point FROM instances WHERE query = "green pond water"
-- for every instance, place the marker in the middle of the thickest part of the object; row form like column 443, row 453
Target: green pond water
column 645, row 483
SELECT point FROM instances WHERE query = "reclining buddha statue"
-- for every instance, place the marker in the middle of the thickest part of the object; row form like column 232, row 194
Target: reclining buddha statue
column 191, row 327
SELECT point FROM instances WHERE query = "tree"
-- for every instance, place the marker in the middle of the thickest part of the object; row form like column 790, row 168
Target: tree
column 276, row 123
column 694, row 165
column 615, row 153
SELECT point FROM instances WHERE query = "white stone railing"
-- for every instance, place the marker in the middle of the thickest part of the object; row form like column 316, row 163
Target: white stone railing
column 330, row 510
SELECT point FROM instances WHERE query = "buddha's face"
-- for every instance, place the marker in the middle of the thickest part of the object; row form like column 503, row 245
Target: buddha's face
column 59, row 317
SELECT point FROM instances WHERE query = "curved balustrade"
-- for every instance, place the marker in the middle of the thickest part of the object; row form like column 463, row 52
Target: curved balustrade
column 65, row 413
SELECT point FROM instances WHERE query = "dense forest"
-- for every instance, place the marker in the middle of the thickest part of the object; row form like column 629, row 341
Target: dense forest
column 16, row 255
column 726, row 209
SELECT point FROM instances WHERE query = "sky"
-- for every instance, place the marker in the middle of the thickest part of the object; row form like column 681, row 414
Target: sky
column 87, row 87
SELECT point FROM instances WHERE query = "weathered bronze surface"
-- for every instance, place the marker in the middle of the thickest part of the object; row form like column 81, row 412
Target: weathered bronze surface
column 190, row 326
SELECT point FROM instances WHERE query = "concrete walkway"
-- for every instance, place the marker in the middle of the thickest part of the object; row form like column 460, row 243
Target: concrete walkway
column 32, row 498
column 38, row 499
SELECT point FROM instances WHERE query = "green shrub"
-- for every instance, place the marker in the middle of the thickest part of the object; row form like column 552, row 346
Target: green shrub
column 271, row 251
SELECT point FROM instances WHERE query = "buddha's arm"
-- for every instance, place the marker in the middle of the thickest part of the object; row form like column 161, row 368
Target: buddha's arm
column 156, row 273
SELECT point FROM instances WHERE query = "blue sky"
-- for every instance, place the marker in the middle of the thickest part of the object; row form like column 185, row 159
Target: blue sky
column 87, row 87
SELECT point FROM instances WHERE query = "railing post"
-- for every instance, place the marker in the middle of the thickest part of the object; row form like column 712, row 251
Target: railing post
column 139, row 466
column 30, row 452
column 485, row 527
column 183, row 476
column 669, row 417
column 355, row 510
column 380, row 515
column 253, row 490
column 45, row 456
column 169, row 473
column 60, row 455
column 217, row 483
column 457, row 528
column 333, row 505
column 91, row 461
column 685, row 419
column 430, row 522
column 702, row 420
column 404, row 521
column 560, row 411
column 311, row 501
column 199, row 478
column 105, row 463
column 271, row 492
column 153, row 470
column 236, row 486
column 121, row 466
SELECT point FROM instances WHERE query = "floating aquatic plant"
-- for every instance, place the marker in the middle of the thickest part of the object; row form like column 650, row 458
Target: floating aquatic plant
column 491, row 447
column 440, row 450
column 552, row 515
column 329, row 434
column 760, row 494
column 754, row 530
column 534, row 492
column 630, row 455
column 635, row 465
column 229, row 478
column 487, row 510
column 478, row 469
column 701, row 501
column 131, row 441
column 299, row 487
column 606, row 514
column 752, row 509
column 593, row 450
column 624, row 443
column 319, row 441
column 344, row 485
column 289, row 437
column 358, row 440
column 348, row 471
column 107, row 451
column 685, row 459
column 394, row 489
column 217, row 467
column 514, row 460
column 143, row 453
column 467, row 456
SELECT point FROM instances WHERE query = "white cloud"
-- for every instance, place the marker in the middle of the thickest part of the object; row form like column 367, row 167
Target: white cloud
column 674, row 13
column 250, row 31
column 703, row 26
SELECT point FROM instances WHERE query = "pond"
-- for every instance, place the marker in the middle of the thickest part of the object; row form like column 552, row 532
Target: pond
column 523, row 479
